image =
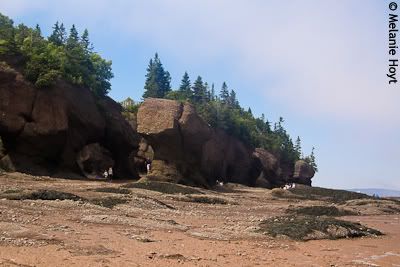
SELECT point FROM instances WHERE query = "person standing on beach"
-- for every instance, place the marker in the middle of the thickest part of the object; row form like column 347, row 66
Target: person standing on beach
column 110, row 173
column 148, row 165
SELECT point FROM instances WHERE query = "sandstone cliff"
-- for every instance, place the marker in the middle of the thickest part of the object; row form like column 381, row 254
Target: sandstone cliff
column 187, row 150
column 44, row 130
column 65, row 130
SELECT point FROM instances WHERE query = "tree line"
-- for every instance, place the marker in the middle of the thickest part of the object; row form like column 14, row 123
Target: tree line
column 222, row 110
column 70, row 56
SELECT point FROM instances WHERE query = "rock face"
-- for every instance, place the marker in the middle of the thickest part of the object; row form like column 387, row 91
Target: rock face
column 66, row 129
column 185, row 146
column 270, row 173
column 43, row 130
column 303, row 172
column 187, row 150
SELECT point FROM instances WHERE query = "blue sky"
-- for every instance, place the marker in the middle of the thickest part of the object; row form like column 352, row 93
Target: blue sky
column 320, row 64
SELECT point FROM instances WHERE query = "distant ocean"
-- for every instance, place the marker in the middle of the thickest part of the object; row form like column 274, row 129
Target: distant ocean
column 378, row 191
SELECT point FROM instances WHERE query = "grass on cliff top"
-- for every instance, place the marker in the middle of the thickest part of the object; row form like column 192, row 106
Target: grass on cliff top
column 306, row 227
column 319, row 193
column 163, row 187
column 321, row 211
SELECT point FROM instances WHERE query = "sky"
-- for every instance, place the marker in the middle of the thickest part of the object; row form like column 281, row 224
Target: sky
column 321, row 65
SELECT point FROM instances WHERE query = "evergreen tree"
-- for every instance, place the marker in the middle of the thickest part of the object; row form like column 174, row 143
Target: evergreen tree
column 185, row 87
column 297, row 147
column 311, row 160
column 73, row 38
column 87, row 46
column 232, row 101
column 207, row 92
column 212, row 92
column 249, row 111
column 63, row 34
column 57, row 36
column 224, row 94
column 54, row 35
column 158, row 81
column 76, row 67
column 199, row 91
column 38, row 31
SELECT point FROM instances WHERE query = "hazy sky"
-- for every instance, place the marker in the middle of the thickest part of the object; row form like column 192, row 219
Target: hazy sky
column 320, row 64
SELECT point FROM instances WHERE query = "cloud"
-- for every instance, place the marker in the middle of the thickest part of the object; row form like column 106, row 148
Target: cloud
column 319, row 58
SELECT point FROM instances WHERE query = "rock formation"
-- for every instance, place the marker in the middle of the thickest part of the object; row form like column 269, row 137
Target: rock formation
column 43, row 130
column 187, row 150
column 66, row 129
column 303, row 172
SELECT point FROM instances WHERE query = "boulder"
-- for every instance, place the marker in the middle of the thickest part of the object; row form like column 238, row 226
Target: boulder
column 158, row 121
column 93, row 160
column 303, row 172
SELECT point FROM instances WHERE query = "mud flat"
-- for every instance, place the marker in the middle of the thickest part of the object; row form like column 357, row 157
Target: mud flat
column 57, row 222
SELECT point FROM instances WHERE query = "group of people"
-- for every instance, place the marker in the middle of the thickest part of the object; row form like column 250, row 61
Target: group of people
column 289, row 186
column 108, row 174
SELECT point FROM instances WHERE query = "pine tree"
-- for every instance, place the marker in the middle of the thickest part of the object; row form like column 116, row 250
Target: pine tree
column 58, row 36
column 38, row 31
column 297, row 147
column 77, row 66
column 54, row 37
column 207, row 92
column 224, row 94
column 158, row 81
column 185, row 83
column 63, row 34
column 312, row 160
column 232, row 101
column 87, row 46
column 73, row 38
column 212, row 92
column 249, row 111
column 199, row 91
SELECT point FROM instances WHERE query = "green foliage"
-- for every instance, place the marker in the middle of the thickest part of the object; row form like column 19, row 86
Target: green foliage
column 133, row 108
column 44, row 61
column 224, row 93
column 7, row 34
column 311, row 160
column 185, row 90
column 158, row 81
column 199, row 91
column 59, row 35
